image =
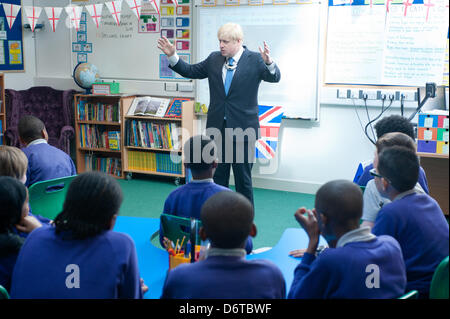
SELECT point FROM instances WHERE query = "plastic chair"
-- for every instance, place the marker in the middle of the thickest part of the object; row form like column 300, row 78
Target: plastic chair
column 413, row 294
column 439, row 283
column 47, row 197
column 176, row 227
column 3, row 293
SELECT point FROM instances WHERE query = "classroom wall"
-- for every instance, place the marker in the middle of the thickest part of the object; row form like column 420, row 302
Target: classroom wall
column 24, row 80
column 310, row 153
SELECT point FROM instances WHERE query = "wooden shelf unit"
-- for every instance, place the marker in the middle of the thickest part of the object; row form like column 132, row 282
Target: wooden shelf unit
column 186, row 122
column 2, row 109
column 123, row 102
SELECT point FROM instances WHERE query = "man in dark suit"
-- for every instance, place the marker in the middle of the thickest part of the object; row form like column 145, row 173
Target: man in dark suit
column 234, row 74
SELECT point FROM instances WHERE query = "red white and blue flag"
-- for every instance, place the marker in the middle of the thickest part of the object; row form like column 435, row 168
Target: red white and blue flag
column 269, row 122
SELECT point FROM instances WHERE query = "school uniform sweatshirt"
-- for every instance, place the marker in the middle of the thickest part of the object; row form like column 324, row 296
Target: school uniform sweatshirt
column 187, row 201
column 361, row 266
column 416, row 221
column 53, row 265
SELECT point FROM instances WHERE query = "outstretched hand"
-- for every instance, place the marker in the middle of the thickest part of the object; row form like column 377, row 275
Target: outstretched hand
column 265, row 53
column 165, row 46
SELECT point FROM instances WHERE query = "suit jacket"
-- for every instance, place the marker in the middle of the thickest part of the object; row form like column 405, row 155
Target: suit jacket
column 240, row 106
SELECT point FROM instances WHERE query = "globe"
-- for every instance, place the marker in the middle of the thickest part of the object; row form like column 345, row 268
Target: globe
column 85, row 74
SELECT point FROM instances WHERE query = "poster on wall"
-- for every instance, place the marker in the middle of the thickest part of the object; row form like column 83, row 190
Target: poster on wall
column 11, row 40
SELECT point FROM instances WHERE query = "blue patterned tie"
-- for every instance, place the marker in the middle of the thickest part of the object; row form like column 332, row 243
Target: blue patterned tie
column 229, row 76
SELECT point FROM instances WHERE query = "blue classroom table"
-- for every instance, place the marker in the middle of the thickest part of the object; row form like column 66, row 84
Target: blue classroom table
column 154, row 262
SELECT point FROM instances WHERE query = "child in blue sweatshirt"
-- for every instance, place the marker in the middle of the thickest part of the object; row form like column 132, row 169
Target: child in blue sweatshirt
column 45, row 162
column 13, row 214
column 227, row 219
column 358, row 264
column 80, row 256
column 187, row 200
column 414, row 219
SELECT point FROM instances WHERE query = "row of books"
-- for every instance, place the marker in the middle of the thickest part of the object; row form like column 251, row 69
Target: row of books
column 96, row 136
column 153, row 135
column 1, row 132
column 108, row 165
column 98, row 111
column 155, row 162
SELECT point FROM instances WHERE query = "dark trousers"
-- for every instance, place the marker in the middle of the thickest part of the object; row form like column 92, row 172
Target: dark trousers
column 240, row 155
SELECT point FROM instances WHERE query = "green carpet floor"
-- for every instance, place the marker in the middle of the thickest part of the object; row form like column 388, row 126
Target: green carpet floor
column 274, row 210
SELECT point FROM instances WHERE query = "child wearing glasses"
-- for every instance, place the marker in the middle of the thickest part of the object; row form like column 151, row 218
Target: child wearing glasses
column 413, row 218
column 373, row 201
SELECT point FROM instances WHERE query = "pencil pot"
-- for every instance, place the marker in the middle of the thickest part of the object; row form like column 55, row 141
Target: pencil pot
column 178, row 259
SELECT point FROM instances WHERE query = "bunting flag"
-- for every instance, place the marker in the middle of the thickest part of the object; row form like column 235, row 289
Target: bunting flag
column 95, row 11
column 32, row 14
column 135, row 6
column 407, row 4
column 156, row 4
column 387, row 4
column 74, row 13
column 53, row 16
column 428, row 5
column 11, row 12
column 115, row 7
column 269, row 121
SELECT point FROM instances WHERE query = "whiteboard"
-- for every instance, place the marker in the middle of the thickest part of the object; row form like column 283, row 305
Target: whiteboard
column 369, row 45
column 293, row 34
column 129, row 51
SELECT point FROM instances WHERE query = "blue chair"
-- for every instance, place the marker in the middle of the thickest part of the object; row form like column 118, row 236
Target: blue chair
column 47, row 197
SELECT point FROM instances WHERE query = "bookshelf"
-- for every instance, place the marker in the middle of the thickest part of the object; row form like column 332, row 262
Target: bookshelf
column 2, row 109
column 153, row 145
column 99, row 132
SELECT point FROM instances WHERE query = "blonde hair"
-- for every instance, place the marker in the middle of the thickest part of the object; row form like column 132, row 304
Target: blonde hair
column 231, row 31
column 13, row 162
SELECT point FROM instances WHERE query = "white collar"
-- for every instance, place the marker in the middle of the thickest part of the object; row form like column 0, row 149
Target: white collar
column 206, row 180
column 237, row 56
column 38, row 141
column 358, row 234
column 234, row 252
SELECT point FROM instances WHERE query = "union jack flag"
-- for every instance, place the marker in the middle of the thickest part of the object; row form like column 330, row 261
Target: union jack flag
column 269, row 121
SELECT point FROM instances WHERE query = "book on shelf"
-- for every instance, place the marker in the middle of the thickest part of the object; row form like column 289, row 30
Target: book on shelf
column 96, row 136
column 114, row 140
column 155, row 162
column 174, row 110
column 88, row 111
column 149, row 106
column 152, row 135
column 108, row 165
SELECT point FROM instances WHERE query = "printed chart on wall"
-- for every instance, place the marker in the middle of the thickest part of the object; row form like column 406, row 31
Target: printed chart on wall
column 386, row 42
column 11, row 41
column 120, row 37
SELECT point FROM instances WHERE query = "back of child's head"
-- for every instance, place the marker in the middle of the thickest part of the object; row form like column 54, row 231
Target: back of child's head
column 30, row 128
column 227, row 218
column 13, row 195
column 199, row 153
column 13, row 162
column 341, row 201
column 92, row 199
column 395, row 139
column 394, row 123
column 400, row 166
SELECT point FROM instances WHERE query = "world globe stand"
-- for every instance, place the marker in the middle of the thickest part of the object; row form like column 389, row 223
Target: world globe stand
column 84, row 75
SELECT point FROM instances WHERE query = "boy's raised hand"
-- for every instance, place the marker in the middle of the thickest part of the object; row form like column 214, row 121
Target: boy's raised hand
column 311, row 227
